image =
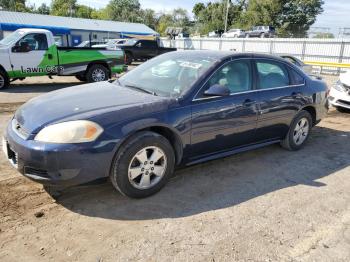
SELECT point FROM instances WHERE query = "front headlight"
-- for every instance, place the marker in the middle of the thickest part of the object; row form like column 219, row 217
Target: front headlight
column 79, row 131
column 339, row 86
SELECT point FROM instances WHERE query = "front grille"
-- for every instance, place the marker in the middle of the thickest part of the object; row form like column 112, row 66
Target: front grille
column 36, row 172
column 19, row 130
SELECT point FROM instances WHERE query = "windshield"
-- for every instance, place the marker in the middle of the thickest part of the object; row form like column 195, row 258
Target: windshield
column 11, row 38
column 168, row 75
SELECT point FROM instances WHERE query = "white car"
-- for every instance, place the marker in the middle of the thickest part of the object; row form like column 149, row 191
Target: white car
column 339, row 95
column 234, row 33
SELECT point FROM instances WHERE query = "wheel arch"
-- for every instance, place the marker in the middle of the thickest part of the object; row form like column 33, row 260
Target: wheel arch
column 4, row 70
column 312, row 111
column 171, row 135
column 99, row 62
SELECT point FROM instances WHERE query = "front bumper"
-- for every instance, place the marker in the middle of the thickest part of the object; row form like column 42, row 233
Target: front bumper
column 58, row 164
column 339, row 99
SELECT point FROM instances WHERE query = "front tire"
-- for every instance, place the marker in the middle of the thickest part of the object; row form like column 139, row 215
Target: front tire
column 143, row 165
column 129, row 58
column 4, row 80
column 299, row 131
column 97, row 73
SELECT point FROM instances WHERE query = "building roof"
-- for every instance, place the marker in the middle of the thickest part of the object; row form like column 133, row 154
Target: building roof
column 70, row 23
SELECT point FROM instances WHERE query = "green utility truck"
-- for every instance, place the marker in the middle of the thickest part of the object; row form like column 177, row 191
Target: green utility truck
column 33, row 52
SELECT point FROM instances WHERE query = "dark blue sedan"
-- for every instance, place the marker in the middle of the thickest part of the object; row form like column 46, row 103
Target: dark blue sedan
column 180, row 108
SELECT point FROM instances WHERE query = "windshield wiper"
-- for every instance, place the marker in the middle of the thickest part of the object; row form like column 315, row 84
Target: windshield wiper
column 142, row 90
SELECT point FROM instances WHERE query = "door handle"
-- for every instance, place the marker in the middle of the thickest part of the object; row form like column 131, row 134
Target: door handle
column 248, row 102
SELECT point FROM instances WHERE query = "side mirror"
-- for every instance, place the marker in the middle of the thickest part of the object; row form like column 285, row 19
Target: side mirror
column 217, row 90
column 139, row 45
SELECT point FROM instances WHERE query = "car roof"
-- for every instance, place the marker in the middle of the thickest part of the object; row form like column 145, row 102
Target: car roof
column 34, row 30
column 223, row 55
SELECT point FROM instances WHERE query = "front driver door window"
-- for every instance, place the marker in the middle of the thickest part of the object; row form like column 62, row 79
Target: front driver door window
column 222, row 123
column 29, row 62
column 35, row 41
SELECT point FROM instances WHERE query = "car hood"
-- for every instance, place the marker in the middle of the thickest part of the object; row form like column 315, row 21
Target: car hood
column 82, row 102
column 345, row 78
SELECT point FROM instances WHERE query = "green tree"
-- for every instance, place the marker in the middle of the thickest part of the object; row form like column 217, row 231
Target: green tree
column 177, row 18
column 211, row 17
column 43, row 9
column 297, row 16
column 98, row 14
column 165, row 20
column 14, row 5
column 83, row 11
column 260, row 12
column 123, row 10
column 292, row 18
column 63, row 7
column 149, row 18
column 197, row 9
column 180, row 18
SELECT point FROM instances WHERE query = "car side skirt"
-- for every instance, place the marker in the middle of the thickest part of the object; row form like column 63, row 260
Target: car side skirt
column 232, row 152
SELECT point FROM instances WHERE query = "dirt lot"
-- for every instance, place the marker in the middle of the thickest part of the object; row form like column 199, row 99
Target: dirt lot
column 264, row 205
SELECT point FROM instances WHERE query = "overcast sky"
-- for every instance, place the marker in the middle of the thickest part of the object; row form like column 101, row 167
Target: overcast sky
column 336, row 12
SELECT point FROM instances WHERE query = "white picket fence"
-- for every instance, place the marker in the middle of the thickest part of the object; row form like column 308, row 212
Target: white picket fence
column 318, row 50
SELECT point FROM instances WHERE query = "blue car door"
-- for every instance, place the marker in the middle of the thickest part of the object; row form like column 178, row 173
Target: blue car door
column 222, row 123
column 279, row 95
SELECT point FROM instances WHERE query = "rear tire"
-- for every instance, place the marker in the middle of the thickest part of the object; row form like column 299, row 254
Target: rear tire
column 133, row 172
column 299, row 131
column 4, row 80
column 97, row 73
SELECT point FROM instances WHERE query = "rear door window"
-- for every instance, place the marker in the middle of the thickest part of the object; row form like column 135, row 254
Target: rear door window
column 271, row 74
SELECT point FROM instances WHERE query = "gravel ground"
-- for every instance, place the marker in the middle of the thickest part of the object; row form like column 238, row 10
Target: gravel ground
column 264, row 205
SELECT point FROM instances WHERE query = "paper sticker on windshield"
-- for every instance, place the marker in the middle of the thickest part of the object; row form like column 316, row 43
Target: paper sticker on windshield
column 191, row 65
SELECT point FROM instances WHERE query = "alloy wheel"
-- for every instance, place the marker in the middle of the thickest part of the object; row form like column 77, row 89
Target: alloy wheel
column 98, row 75
column 301, row 131
column 147, row 167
